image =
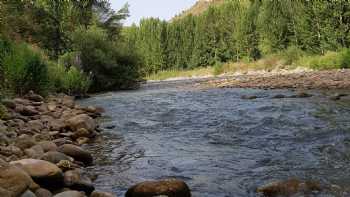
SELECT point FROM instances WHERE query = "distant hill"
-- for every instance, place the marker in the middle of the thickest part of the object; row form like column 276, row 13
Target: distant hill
column 199, row 7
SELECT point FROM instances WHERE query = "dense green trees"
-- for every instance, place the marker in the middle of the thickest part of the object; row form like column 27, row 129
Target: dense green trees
column 245, row 29
column 71, row 45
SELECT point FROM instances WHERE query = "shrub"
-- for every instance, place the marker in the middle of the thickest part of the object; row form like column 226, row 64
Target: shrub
column 110, row 67
column 291, row 55
column 25, row 70
column 71, row 80
column 218, row 68
column 330, row 60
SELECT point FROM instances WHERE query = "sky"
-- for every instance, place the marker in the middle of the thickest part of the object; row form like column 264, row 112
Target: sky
column 164, row 9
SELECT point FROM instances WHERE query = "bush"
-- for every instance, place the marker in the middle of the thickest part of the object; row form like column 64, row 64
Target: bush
column 110, row 67
column 218, row 68
column 71, row 80
column 24, row 70
column 291, row 55
column 331, row 60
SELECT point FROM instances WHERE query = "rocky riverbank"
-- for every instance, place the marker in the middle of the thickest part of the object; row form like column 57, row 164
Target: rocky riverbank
column 331, row 79
column 42, row 151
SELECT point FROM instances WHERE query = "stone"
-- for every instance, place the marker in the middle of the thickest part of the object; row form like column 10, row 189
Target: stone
column 44, row 173
column 48, row 146
column 75, row 180
column 81, row 121
column 301, row 95
column 51, row 107
column 82, row 140
column 70, row 194
column 279, row 96
column 246, row 97
column 101, row 194
column 77, row 153
column 35, row 152
column 288, row 188
column 44, row 136
column 55, row 157
column 68, row 101
column 10, row 150
column 28, row 193
column 4, row 140
column 34, row 97
column 41, row 192
column 170, row 188
column 82, row 132
column 27, row 110
column 24, row 142
column 35, row 125
column 14, row 180
column 21, row 101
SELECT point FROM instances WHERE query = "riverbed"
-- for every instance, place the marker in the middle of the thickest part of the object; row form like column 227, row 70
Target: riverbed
column 217, row 142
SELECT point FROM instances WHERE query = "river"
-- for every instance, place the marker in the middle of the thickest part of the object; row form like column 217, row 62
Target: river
column 218, row 143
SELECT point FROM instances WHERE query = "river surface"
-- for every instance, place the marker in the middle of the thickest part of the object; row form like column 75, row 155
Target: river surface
column 218, row 143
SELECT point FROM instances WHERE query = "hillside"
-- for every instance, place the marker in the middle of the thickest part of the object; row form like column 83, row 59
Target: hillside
column 199, row 7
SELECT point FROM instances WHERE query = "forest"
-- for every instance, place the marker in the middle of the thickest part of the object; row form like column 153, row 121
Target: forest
column 309, row 33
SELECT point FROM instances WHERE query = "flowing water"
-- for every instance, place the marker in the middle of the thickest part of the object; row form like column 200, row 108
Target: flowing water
column 218, row 143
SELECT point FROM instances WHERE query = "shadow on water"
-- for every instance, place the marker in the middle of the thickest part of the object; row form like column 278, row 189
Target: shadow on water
column 220, row 144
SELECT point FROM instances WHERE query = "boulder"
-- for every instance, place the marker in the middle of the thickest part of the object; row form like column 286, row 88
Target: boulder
column 51, row 107
column 77, row 153
column 170, row 188
column 34, row 97
column 82, row 132
column 82, row 140
column 44, row 136
column 14, row 181
column 10, row 150
column 55, row 157
column 301, row 95
column 41, row 192
column 48, row 146
column 26, row 110
column 75, row 180
column 101, row 194
column 68, row 101
column 70, row 194
column 4, row 140
column 44, row 173
column 288, row 188
column 35, row 152
column 246, row 97
column 81, row 121
column 35, row 125
column 24, row 142
column 21, row 101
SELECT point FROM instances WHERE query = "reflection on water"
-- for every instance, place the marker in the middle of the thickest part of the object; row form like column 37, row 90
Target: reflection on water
column 221, row 145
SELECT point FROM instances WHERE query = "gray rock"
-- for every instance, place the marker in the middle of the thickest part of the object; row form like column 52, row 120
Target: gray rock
column 41, row 192
column 101, row 194
column 28, row 193
column 55, row 157
column 76, row 180
column 70, row 194
column 77, row 153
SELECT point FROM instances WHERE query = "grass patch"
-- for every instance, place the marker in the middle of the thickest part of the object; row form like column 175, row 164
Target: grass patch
column 168, row 74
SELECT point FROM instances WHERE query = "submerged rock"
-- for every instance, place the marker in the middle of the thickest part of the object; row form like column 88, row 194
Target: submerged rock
column 288, row 188
column 170, row 188
column 246, row 97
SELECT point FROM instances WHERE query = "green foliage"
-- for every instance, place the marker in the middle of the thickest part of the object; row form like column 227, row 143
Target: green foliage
column 330, row 60
column 25, row 69
column 3, row 111
column 104, row 59
column 291, row 55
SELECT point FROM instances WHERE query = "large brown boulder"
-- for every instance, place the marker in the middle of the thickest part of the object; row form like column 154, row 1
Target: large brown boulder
column 48, row 146
column 81, row 121
column 170, row 188
column 76, row 180
column 44, row 173
column 14, row 181
column 77, row 153
column 26, row 110
column 34, row 97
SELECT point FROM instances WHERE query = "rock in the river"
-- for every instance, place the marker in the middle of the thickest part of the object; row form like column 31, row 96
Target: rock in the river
column 44, row 173
column 70, row 194
column 301, row 95
column 41, row 192
column 14, row 180
column 288, row 188
column 77, row 153
column 81, row 121
column 279, row 96
column 101, row 194
column 246, row 97
column 170, row 188
column 76, row 180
